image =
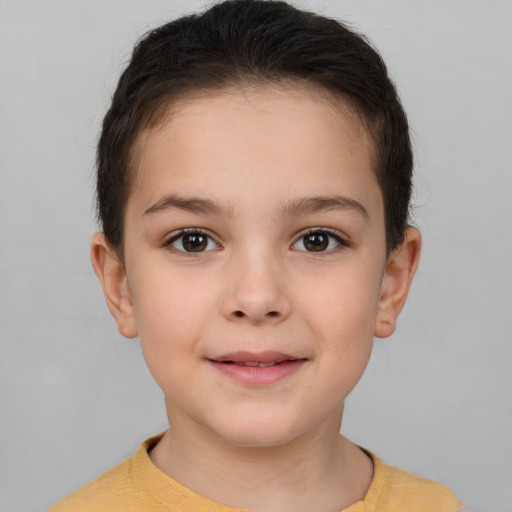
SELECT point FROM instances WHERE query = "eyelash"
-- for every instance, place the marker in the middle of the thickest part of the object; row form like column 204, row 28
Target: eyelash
column 340, row 241
column 181, row 234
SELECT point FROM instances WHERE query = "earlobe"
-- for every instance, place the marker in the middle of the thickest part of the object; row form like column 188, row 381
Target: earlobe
column 112, row 276
column 400, row 269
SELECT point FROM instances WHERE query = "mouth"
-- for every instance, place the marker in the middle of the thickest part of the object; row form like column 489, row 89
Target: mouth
column 253, row 363
column 257, row 369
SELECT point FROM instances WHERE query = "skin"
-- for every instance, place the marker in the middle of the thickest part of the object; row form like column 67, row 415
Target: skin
column 256, row 159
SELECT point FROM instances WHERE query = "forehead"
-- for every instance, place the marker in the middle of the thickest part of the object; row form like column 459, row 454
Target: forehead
column 276, row 140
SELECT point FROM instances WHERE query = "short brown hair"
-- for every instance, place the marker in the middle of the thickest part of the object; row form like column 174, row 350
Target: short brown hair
column 253, row 41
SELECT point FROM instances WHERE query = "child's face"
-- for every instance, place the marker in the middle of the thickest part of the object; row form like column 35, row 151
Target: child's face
column 255, row 234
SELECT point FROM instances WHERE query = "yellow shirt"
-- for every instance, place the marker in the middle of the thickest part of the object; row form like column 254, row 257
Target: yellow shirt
column 137, row 485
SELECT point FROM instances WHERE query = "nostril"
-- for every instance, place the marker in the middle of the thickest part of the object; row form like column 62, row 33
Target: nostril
column 241, row 314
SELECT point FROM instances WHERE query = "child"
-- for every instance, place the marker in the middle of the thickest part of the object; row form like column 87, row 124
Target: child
column 254, row 177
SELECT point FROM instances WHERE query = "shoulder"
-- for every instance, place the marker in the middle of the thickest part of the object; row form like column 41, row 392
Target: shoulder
column 111, row 492
column 117, row 490
column 137, row 485
column 400, row 490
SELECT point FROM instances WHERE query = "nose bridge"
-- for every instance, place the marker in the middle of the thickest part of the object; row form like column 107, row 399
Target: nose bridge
column 256, row 289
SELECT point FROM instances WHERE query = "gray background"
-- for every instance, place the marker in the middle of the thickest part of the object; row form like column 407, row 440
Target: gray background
column 76, row 398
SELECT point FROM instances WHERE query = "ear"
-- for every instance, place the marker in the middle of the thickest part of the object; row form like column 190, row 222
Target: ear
column 401, row 267
column 111, row 273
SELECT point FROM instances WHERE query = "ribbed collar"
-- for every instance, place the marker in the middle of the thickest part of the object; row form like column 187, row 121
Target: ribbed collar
column 164, row 489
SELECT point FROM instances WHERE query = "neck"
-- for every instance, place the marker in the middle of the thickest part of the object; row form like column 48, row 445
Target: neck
column 320, row 470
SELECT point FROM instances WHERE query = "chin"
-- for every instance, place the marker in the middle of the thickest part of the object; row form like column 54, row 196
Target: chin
column 258, row 440
column 259, row 433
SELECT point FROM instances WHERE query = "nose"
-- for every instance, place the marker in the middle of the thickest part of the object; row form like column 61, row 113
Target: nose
column 256, row 291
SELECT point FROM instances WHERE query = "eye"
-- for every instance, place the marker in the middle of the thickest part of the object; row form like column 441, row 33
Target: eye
column 192, row 241
column 319, row 241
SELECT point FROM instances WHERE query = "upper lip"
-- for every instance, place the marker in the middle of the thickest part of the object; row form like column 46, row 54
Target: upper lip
column 255, row 357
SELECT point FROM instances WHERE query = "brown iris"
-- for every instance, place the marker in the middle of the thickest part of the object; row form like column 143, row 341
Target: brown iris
column 316, row 242
column 194, row 242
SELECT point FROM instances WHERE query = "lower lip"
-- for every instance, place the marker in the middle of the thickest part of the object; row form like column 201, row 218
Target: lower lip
column 257, row 375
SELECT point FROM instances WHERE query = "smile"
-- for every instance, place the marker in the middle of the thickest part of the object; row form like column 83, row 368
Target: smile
column 262, row 369
column 253, row 363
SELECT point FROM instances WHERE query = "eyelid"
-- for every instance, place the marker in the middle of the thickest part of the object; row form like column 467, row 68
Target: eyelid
column 176, row 235
column 341, row 239
column 338, row 236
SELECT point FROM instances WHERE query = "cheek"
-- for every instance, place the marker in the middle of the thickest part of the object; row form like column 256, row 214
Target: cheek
column 167, row 303
column 346, row 346
column 342, row 314
column 171, row 313
column 344, row 304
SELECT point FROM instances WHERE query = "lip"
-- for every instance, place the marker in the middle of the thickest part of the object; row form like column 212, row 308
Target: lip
column 232, row 365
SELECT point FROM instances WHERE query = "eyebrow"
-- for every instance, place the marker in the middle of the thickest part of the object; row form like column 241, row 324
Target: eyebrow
column 296, row 207
column 317, row 204
column 191, row 204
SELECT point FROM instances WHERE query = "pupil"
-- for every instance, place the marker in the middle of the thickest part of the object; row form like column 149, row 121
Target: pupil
column 316, row 242
column 194, row 243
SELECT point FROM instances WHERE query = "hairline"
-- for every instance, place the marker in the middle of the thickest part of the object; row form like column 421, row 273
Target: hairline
column 168, row 106
column 165, row 105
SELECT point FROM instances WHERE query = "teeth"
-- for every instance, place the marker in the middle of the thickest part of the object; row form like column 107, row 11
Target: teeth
column 255, row 363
